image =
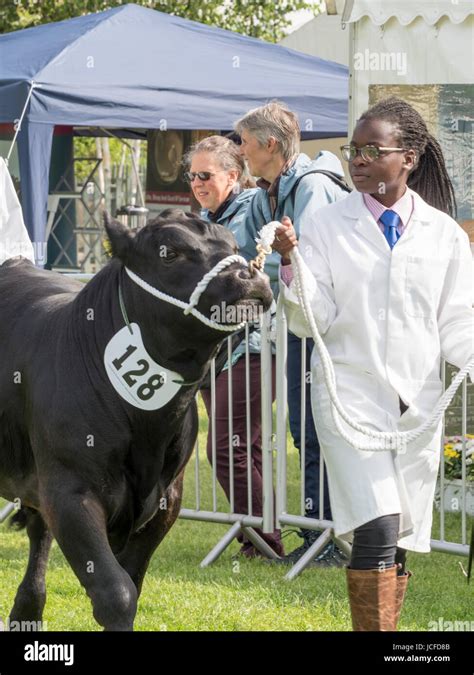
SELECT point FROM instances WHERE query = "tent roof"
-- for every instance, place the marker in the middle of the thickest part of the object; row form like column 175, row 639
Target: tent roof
column 133, row 66
column 407, row 10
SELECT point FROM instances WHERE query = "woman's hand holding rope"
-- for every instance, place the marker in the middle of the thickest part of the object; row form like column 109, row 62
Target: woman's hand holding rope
column 285, row 239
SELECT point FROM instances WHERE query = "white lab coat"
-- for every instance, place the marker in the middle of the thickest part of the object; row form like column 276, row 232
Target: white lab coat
column 14, row 239
column 387, row 318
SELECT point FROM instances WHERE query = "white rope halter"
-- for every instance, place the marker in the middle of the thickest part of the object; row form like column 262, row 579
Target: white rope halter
column 381, row 440
column 189, row 307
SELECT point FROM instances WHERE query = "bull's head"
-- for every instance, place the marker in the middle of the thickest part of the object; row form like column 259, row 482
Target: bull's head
column 174, row 251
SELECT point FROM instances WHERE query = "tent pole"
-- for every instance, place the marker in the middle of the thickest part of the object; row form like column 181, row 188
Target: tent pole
column 18, row 122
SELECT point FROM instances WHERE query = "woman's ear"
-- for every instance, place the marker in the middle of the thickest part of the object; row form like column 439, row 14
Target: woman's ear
column 272, row 144
column 411, row 160
column 233, row 176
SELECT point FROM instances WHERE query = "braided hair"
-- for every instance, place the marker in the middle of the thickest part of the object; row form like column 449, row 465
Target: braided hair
column 429, row 178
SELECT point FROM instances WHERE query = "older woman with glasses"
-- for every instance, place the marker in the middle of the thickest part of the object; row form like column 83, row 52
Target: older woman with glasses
column 220, row 183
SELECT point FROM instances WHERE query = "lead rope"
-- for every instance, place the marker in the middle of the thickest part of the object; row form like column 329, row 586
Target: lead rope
column 190, row 307
column 384, row 440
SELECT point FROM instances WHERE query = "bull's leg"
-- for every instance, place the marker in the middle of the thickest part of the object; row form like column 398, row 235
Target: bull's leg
column 31, row 595
column 78, row 522
column 136, row 556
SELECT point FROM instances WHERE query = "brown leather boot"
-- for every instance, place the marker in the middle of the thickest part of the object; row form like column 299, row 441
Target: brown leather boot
column 372, row 597
column 402, row 582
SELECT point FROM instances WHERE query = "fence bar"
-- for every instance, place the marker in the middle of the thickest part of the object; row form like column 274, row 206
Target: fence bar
column 441, row 475
column 221, row 545
column 197, row 478
column 449, row 547
column 321, row 485
column 213, row 435
column 463, row 459
column 260, row 543
column 230, row 414
column 221, row 517
column 267, row 424
column 315, row 548
column 248, row 421
column 303, row 428
column 305, row 523
column 6, row 511
column 281, row 410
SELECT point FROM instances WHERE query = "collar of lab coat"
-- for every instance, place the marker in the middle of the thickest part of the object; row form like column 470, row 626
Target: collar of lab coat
column 355, row 209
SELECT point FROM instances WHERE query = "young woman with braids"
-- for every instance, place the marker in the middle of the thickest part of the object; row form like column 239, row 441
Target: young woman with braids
column 388, row 273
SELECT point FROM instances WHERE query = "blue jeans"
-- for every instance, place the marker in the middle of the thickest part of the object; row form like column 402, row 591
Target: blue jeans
column 312, row 450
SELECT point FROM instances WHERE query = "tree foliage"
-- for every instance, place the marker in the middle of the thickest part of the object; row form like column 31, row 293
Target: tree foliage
column 266, row 19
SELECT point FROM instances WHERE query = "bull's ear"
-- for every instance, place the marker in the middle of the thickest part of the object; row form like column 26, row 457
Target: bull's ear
column 120, row 237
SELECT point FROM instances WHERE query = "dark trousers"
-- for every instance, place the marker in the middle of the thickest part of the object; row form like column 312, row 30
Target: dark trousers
column 239, row 442
column 375, row 545
column 312, row 449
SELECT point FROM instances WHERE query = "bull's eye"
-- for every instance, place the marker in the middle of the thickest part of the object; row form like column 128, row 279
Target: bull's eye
column 170, row 256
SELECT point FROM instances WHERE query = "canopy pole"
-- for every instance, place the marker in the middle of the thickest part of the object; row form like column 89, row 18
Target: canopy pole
column 19, row 122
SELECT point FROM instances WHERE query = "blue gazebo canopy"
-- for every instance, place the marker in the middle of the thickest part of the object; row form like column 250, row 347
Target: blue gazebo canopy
column 135, row 67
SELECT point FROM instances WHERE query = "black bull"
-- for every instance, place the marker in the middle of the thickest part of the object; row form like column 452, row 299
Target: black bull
column 104, row 478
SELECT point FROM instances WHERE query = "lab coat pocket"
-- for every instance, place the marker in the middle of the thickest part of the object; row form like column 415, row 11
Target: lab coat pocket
column 358, row 393
column 423, row 281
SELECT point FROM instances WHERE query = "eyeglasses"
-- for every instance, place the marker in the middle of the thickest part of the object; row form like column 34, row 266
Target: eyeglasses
column 190, row 176
column 368, row 152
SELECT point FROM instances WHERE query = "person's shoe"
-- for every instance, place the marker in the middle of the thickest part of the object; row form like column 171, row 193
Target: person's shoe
column 247, row 550
column 293, row 557
column 309, row 537
column 331, row 556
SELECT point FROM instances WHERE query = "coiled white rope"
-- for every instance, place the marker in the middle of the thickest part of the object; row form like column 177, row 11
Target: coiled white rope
column 189, row 307
column 381, row 440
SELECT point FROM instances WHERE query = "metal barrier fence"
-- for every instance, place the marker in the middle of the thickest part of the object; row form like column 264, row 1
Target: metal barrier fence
column 241, row 523
column 276, row 438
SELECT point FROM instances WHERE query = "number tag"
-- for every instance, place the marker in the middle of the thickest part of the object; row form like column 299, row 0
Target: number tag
column 134, row 375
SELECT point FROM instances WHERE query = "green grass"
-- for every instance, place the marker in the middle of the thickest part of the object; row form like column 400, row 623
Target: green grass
column 238, row 595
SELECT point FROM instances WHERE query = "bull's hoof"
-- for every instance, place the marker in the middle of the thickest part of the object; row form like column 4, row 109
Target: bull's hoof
column 28, row 608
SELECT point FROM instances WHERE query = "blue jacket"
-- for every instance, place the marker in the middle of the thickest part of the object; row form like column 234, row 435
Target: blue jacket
column 313, row 192
column 234, row 218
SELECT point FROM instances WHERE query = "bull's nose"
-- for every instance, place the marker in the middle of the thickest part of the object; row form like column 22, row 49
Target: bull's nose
column 244, row 273
column 239, row 271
